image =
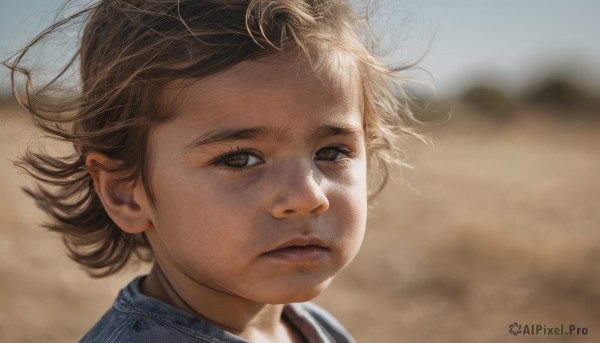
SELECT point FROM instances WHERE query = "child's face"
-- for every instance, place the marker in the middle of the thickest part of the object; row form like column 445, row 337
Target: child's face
column 260, row 181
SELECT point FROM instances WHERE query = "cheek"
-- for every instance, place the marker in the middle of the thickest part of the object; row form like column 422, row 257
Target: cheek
column 356, row 188
column 349, row 204
column 351, row 223
column 202, row 212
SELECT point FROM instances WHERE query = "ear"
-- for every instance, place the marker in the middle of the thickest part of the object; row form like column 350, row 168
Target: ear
column 118, row 197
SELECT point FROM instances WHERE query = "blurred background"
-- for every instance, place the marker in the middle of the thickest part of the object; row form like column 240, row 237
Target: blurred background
column 497, row 222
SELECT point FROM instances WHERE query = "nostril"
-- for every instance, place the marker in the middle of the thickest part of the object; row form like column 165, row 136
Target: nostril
column 319, row 209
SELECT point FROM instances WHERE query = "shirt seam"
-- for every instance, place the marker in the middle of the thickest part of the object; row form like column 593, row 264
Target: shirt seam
column 139, row 312
column 119, row 330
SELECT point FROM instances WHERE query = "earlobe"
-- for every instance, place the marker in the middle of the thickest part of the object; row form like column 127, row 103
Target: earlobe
column 117, row 196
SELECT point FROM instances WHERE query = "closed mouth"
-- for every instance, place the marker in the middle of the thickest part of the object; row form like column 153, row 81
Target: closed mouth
column 300, row 249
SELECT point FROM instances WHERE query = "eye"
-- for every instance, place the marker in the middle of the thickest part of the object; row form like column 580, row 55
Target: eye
column 332, row 154
column 238, row 159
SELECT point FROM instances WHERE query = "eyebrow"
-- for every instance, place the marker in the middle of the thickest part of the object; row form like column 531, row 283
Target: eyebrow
column 325, row 131
column 263, row 133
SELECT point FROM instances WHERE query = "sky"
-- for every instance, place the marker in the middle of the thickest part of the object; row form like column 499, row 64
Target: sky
column 512, row 42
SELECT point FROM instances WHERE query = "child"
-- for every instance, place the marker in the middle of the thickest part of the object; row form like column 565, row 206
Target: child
column 228, row 142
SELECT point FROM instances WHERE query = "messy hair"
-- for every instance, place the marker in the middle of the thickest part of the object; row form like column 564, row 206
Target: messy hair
column 129, row 51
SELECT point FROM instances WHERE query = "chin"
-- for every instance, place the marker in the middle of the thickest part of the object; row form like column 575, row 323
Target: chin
column 296, row 293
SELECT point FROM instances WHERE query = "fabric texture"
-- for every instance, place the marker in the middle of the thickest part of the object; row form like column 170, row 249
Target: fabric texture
column 135, row 317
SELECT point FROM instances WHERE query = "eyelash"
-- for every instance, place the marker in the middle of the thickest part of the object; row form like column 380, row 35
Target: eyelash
column 347, row 152
column 222, row 160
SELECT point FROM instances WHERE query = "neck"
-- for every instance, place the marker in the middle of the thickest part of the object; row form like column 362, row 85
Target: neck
column 242, row 317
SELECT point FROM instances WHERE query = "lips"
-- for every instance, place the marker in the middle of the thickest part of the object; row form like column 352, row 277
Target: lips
column 300, row 249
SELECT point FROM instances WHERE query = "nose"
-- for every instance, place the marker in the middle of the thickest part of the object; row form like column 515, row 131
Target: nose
column 299, row 192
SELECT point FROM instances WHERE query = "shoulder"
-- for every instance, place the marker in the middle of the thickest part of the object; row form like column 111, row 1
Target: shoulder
column 124, row 326
column 312, row 319
column 112, row 327
column 135, row 317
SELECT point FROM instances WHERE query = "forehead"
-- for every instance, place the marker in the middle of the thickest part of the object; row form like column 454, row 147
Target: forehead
column 326, row 80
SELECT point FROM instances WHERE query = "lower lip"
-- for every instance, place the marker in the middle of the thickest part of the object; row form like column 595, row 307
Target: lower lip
column 309, row 253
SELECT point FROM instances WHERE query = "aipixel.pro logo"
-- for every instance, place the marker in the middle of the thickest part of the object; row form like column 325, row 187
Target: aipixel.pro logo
column 545, row 330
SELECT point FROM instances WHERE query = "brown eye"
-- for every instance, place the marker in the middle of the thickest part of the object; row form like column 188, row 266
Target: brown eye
column 329, row 154
column 240, row 160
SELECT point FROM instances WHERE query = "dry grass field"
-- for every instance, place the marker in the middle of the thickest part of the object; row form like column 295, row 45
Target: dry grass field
column 496, row 224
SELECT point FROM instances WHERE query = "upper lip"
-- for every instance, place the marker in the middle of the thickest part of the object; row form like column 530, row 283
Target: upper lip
column 302, row 241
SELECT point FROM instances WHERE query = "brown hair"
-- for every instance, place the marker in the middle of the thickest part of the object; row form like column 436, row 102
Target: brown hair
column 130, row 50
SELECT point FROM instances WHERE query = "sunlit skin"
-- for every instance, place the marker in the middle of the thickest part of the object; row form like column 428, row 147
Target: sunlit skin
column 267, row 155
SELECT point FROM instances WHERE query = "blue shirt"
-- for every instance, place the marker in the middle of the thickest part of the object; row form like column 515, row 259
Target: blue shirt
column 135, row 317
